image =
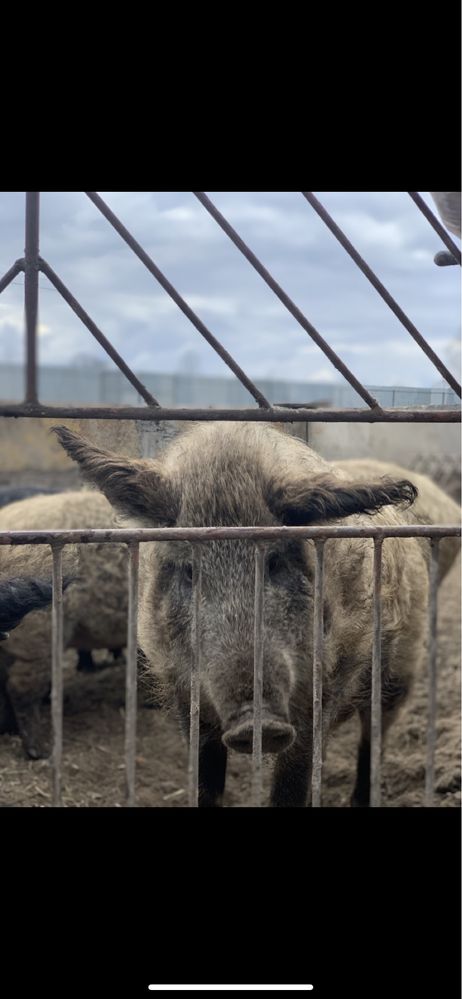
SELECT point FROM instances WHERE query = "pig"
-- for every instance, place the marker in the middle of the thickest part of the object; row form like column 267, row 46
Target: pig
column 18, row 597
column 253, row 474
column 95, row 606
column 11, row 494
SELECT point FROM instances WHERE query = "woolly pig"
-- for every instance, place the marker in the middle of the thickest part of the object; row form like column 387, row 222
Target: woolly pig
column 19, row 597
column 95, row 606
column 432, row 505
column 228, row 474
column 12, row 494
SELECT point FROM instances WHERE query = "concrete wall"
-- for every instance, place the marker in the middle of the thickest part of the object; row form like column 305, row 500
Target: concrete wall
column 30, row 455
column 401, row 442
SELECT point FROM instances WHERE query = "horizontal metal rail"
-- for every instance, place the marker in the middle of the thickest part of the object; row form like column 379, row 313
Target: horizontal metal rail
column 126, row 535
column 382, row 291
column 273, row 415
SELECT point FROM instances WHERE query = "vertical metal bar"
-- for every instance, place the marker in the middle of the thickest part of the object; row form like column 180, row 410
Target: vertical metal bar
column 317, row 675
column 57, row 671
column 194, row 717
column 131, row 676
column 431, row 729
column 376, row 698
column 31, row 286
column 258, row 675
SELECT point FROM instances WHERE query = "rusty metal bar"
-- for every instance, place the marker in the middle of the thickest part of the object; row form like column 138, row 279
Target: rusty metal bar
column 131, row 674
column 194, row 716
column 444, row 259
column 57, row 671
column 295, row 415
column 436, row 225
column 376, row 698
column 318, row 621
column 258, row 676
column 16, row 269
column 31, row 291
column 99, row 536
column 98, row 335
column 431, row 724
column 180, row 302
column 380, row 288
column 284, row 298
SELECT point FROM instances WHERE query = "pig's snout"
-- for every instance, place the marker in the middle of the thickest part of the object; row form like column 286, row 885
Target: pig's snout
column 277, row 734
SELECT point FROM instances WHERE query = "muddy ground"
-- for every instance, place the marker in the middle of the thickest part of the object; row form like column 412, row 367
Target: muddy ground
column 93, row 770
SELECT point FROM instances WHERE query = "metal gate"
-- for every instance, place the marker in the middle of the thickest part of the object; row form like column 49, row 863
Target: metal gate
column 32, row 264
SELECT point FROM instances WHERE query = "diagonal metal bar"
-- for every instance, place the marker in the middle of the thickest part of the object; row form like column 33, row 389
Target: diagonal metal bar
column 284, row 298
column 98, row 335
column 377, row 284
column 436, row 225
column 179, row 301
column 16, row 269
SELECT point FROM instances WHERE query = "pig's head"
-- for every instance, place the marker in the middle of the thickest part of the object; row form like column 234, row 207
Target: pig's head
column 230, row 475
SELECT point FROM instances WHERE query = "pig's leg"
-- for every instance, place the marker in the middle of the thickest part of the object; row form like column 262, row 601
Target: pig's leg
column 212, row 757
column 291, row 784
column 394, row 694
column 85, row 662
column 27, row 687
column 362, row 790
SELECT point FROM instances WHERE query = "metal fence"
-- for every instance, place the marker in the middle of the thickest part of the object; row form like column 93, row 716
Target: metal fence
column 31, row 264
column 90, row 385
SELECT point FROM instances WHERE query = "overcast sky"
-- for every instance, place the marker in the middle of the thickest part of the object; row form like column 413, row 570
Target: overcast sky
column 152, row 334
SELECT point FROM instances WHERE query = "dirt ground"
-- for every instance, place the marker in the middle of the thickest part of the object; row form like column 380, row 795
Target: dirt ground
column 93, row 767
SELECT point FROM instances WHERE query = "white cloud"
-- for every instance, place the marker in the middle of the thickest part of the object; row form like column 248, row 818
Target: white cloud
column 151, row 333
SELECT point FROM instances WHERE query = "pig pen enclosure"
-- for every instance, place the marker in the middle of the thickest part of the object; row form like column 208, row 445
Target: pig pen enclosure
column 111, row 743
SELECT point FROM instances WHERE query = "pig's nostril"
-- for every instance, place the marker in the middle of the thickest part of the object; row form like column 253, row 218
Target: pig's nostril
column 276, row 736
column 242, row 743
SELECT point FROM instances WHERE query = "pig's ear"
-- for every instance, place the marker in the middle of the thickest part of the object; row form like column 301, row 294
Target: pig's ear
column 325, row 498
column 136, row 489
